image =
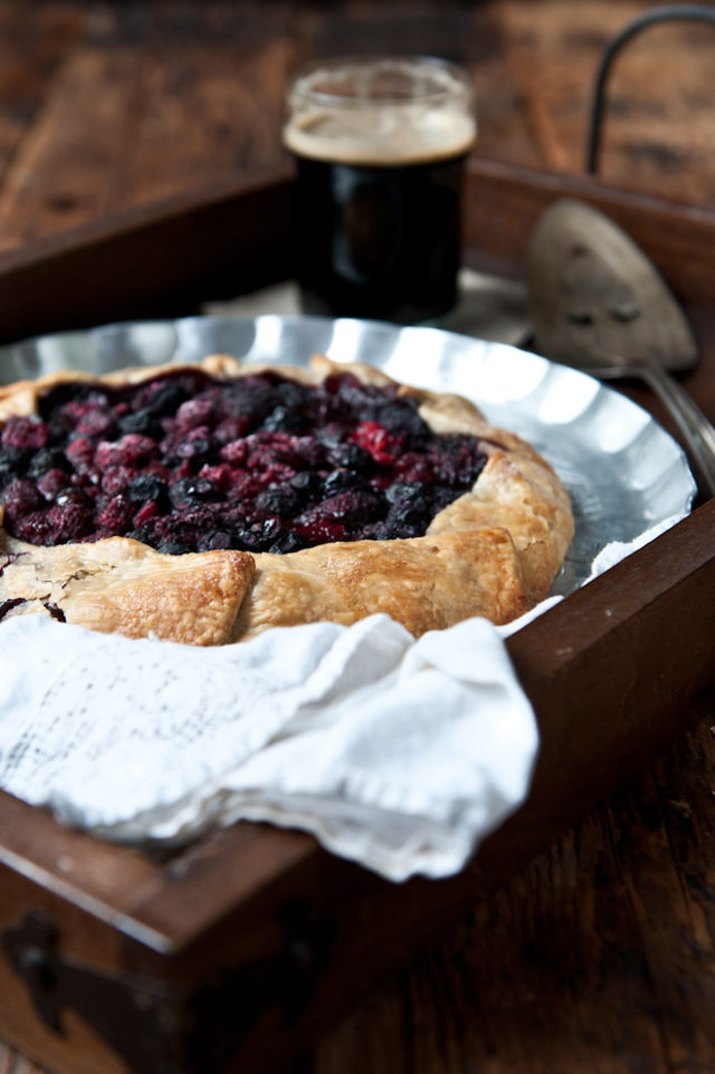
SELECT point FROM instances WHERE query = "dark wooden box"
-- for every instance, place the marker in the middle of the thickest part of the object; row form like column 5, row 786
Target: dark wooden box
column 236, row 952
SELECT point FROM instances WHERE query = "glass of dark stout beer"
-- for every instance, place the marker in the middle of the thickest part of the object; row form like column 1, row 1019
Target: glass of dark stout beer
column 380, row 145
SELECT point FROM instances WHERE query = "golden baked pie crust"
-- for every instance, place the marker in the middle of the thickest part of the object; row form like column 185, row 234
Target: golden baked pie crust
column 493, row 552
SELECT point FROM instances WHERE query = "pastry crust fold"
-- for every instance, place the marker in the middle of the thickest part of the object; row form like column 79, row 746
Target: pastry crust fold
column 425, row 583
column 120, row 586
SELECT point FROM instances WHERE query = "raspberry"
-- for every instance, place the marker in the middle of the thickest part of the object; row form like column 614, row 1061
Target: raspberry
column 117, row 515
column 80, row 453
column 194, row 412
column 414, row 467
column 130, row 450
column 221, row 476
column 21, row 496
column 51, row 483
column 321, row 531
column 148, row 510
column 58, row 525
column 381, row 444
column 117, row 478
column 236, row 452
column 95, row 422
column 69, row 521
column 27, row 434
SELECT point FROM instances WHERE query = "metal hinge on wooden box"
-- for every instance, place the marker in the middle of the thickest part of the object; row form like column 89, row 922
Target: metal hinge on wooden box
column 152, row 1028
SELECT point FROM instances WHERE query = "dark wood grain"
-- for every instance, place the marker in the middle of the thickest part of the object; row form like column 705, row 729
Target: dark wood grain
column 599, row 955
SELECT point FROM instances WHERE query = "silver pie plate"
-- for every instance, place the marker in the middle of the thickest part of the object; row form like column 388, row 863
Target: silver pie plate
column 625, row 474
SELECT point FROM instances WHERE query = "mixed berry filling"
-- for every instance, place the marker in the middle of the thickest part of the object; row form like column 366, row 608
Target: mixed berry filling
column 187, row 463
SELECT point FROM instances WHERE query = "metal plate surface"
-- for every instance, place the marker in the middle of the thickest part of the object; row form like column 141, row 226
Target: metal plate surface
column 625, row 474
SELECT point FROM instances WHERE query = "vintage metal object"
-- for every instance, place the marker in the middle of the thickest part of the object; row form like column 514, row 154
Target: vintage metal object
column 597, row 302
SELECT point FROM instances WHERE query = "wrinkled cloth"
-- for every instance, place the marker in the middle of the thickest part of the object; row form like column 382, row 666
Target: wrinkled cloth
column 396, row 753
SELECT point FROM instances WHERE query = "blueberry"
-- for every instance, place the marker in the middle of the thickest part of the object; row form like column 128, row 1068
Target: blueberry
column 14, row 460
column 173, row 547
column 141, row 421
column 287, row 419
column 167, row 398
column 46, row 459
column 194, row 448
column 49, row 405
column 214, row 540
column 306, row 483
column 287, row 542
column 400, row 418
column 409, row 518
column 332, row 434
column 458, row 460
column 147, row 487
column 260, row 536
column 352, row 457
column 283, row 502
column 341, row 481
column 360, row 399
column 402, row 490
column 251, row 398
column 293, row 395
column 440, row 496
column 189, row 491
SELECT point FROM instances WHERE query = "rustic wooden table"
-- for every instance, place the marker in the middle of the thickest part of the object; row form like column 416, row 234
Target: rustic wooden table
column 600, row 955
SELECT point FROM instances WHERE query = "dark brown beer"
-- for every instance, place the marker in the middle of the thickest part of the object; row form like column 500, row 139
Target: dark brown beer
column 378, row 195
column 378, row 242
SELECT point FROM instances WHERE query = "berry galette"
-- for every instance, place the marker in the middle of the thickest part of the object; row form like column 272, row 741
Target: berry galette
column 205, row 503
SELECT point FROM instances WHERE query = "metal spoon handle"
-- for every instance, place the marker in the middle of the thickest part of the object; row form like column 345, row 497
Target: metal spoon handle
column 698, row 433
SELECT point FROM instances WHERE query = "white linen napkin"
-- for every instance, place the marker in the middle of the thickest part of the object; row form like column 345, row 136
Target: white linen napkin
column 398, row 754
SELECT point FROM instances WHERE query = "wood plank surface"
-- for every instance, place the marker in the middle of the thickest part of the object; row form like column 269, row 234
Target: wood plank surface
column 600, row 955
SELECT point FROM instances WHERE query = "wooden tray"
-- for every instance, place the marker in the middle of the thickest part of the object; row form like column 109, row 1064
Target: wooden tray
column 237, row 952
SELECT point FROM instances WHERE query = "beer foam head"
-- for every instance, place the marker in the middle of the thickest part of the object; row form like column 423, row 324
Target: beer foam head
column 381, row 111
